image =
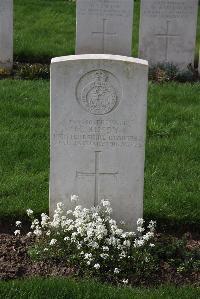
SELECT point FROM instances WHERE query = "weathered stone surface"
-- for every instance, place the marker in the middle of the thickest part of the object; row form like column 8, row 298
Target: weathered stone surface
column 168, row 31
column 98, row 123
column 6, row 34
column 104, row 26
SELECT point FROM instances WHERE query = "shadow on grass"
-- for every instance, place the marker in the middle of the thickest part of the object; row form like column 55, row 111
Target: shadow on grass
column 164, row 225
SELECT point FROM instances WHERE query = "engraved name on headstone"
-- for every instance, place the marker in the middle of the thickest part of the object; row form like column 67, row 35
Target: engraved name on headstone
column 6, row 34
column 98, row 123
column 168, row 31
column 104, row 26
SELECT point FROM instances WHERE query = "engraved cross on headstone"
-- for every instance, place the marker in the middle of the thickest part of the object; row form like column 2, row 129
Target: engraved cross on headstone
column 104, row 33
column 96, row 174
column 167, row 36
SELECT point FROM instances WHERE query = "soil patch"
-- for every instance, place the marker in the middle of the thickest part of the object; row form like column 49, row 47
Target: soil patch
column 15, row 263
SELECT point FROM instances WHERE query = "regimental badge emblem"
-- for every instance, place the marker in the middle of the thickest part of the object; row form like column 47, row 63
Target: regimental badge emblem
column 99, row 92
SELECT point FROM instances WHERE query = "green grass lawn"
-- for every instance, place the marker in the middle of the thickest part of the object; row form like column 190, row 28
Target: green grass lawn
column 172, row 173
column 43, row 29
column 24, row 148
column 69, row 289
column 46, row 28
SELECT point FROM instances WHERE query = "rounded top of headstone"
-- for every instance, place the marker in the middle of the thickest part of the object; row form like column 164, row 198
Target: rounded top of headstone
column 99, row 57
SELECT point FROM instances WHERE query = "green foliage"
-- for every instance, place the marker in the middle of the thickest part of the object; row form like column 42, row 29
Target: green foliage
column 31, row 71
column 172, row 173
column 60, row 288
column 52, row 30
column 175, row 253
column 165, row 72
column 160, row 73
column 92, row 242
column 186, row 76
column 172, row 176
column 24, row 147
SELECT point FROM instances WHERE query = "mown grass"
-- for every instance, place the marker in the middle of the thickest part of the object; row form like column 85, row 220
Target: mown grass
column 172, row 172
column 172, row 176
column 43, row 29
column 46, row 28
column 56, row 288
column 24, row 148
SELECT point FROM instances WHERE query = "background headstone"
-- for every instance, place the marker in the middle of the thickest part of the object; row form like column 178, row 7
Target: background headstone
column 104, row 27
column 98, row 124
column 168, row 31
column 6, row 34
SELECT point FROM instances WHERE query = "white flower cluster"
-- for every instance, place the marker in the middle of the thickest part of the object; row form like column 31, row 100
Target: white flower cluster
column 141, row 240
column 18, row 225
column 90, row 236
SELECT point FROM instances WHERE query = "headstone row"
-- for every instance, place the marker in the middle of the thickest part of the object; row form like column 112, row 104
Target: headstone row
column 99, row 101
column 167, row 29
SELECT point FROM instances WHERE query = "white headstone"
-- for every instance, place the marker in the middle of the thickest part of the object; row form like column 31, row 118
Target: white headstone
column 6, row 34
column 104, row 27
column 168, row 31
column 98, row 124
